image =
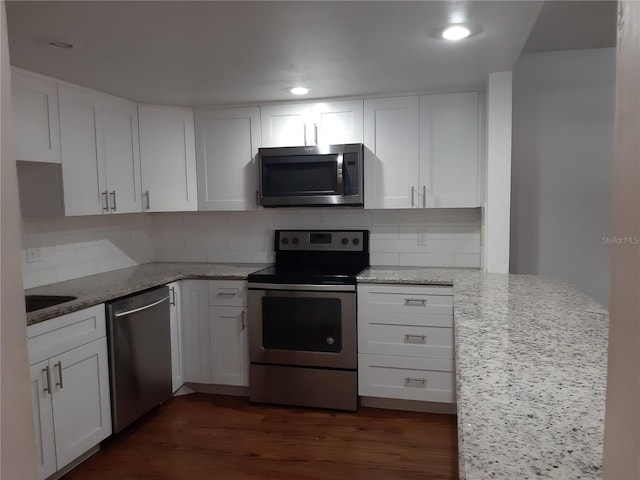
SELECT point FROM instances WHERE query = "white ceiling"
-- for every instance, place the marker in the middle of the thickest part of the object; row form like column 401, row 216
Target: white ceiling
column 212, row 53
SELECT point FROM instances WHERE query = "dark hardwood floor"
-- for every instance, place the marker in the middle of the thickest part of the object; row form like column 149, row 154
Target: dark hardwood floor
column 220, row 437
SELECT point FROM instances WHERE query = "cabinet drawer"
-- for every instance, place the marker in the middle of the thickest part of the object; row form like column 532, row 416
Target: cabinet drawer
column 228, row 293
column 406, row 378
column 402, row 304
column 63, row 333
column 406, row 340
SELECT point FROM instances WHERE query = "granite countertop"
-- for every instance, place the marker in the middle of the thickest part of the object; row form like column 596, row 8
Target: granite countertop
column 531, row 367
column 103, row 287
column 531, row 361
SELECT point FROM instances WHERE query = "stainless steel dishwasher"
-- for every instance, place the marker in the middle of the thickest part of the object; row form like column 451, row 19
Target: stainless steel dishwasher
column 139, row 354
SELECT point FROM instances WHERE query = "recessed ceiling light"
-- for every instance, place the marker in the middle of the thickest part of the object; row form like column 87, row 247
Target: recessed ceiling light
column 299, row 90
column 61, row 44
column 456, row 32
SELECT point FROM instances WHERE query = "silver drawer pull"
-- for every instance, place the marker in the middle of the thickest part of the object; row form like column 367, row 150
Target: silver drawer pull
column 417, row 339
column 60, row 384
column 415, row 382
column 47, row 388
column 415, row 302
column 227, row 294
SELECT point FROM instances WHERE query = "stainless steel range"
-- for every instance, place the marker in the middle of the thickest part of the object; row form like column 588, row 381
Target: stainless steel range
column 302, row 311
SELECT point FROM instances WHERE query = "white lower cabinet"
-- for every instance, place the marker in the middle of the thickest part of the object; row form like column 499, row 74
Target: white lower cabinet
column 70, row 387
column 175, row 322
column 215, row 341
column 405, row 342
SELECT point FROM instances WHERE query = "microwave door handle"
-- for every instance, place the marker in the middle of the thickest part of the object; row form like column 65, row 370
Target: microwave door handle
column 340, row 163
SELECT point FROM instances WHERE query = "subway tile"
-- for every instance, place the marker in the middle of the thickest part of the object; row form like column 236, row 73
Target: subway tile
column 469, row 260
column 205, row 219
column 167, row 220
column 383, row 258
column 397, row 246
column 400, row 217
column 77, row 270
column 39, row 277
column 467, row 245
column 346, row 220
column 427, row 259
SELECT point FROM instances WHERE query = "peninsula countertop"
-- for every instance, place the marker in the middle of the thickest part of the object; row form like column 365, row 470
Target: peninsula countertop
column 531, row 360
column 531, row 368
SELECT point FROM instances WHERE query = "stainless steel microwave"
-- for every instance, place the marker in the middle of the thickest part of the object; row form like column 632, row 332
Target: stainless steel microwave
column 322, row 175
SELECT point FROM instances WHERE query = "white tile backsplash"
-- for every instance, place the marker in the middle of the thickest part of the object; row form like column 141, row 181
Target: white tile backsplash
column 77, row 246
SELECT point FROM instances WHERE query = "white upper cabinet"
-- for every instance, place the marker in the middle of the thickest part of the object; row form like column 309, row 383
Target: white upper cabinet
column 100, row 153
column 167, row 155
column 83, row 170
column 35, row 115
column 422, row 152
column 337, row 122
column 284, row 125
column 450, row 150
column 122, row 155
column 391, row 139
column 319, row 123
column 227, row 142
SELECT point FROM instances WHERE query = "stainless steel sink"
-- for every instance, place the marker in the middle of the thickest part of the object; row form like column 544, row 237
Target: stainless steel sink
column 38, row 302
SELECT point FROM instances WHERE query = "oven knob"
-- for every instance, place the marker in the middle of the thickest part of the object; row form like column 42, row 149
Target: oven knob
column 345, row 240
column 356, row 241
column 330, row 341
column 295, row 240
column 285, row 241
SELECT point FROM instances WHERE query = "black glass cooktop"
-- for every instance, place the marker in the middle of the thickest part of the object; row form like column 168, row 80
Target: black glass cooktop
column 319, row 275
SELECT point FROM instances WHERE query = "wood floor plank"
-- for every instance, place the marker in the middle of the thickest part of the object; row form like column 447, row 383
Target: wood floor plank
column 203, row 436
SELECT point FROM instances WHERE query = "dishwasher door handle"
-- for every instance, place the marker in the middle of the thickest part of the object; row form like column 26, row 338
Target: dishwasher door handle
column 140, row 309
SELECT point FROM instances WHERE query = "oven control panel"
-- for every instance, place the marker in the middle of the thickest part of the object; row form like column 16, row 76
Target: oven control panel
column 328, row 240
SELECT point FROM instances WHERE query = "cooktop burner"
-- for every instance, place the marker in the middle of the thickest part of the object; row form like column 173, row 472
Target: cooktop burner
column 320, row 257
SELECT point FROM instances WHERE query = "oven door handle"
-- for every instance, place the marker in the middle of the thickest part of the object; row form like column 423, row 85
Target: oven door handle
column 302, row 287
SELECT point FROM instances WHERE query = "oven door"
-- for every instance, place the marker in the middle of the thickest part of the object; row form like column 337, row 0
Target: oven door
column 303, row 328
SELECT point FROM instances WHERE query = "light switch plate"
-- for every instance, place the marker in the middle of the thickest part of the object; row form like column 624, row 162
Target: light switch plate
column 34, row 254
column 422, row 237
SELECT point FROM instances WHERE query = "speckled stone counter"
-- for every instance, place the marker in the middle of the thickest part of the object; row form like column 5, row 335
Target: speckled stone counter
column 103, row 287
column 531, row 364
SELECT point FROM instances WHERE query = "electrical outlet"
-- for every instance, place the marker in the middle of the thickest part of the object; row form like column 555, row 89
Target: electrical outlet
column 422, row 237
column 34, row 254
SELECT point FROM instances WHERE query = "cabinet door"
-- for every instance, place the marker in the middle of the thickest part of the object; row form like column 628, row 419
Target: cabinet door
column 285, row 125
column 82, row 153
column 391, row 138
column 195, row 328
column 35, row 114
column 122, row 155
column 43, row 418
column 229, row 348
column 449, row 150
column 337, row 122
column 227, row 142
column 167, row 155
column 175, row 320
column 81, row 401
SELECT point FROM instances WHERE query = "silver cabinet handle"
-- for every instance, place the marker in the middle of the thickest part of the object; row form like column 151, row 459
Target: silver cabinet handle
column 424, row 196
column 304, row 126
column 148, row 195
column 59, row 365
column 105, row 201
column 415, row 382
column 416, row 339
column 257, row 198
column 135, row 310
column 244, row 325
column 113, row 197
column 226, row 294
column 315, row 128
column 412, row 197
column 172, row 301
column 47, row 388
column 415, row 302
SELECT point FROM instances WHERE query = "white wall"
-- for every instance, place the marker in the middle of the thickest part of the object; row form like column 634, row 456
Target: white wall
column 17, row 461
column 453, row 236
column 74, row 247
column 497, row 174
column 563, row 107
